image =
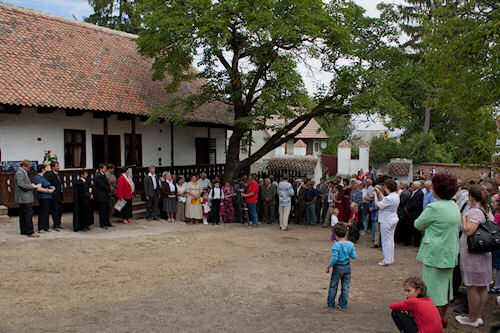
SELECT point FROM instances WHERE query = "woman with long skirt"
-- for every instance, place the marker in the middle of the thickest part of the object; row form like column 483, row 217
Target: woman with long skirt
column 125, row 190
column 180, row 213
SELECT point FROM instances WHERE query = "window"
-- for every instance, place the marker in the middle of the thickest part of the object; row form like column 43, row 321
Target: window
column 213, row 151
column 74, row 149
column 133, row 157
column 206, row 150
column 316, row 146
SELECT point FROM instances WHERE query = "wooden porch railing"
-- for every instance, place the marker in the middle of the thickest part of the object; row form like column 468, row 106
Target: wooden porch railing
column 69, row 178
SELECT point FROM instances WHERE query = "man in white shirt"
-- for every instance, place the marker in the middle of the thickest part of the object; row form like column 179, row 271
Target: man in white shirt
column 285, row 194
column 205, row 182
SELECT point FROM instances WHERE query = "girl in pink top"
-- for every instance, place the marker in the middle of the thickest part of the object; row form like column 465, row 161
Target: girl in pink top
column 417, row 314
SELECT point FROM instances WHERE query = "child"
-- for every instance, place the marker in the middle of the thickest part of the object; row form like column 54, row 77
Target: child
column 353, row 224
column 205, row 207
column 425, row 317
column 363, row 213
column 342, row 252
column 216, row 196
column 334, row 219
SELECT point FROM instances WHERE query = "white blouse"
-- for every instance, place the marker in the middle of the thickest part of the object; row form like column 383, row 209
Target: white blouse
column 388, row 209
column 181, row 190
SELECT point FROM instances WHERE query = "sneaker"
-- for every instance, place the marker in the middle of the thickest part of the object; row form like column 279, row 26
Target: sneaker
column 462, row 320
column 383, row 264
column 340, row 308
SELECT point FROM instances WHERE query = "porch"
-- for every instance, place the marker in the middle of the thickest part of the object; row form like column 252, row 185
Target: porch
column 69, row 178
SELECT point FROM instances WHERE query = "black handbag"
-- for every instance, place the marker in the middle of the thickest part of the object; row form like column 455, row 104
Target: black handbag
column 486, row 238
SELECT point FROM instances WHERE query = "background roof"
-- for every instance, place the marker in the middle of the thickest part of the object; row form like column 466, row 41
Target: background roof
column 50, row 61
column 311, row 131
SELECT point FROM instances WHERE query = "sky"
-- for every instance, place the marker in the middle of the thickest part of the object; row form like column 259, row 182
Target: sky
column 312, row 74
column 80, row 8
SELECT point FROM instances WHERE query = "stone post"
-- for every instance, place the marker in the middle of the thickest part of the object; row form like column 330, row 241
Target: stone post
column 364, row 156
column 344, row 158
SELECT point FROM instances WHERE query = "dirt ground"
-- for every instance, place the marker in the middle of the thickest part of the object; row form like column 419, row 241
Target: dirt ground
column 164, row 277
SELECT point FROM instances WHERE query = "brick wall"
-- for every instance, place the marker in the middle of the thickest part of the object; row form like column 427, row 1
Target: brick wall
column 455, row 169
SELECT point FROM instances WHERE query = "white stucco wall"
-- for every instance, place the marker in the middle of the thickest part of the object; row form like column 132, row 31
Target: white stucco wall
column 364, row 158
column 353, row 167
column 344, row 160
column 19, row 137
column 299, row 151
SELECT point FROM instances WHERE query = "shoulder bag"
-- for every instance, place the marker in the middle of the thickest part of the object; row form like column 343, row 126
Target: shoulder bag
column 486, row 238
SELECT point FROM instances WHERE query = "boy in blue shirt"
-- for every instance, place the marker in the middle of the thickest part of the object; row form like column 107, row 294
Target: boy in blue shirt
column 342, row 253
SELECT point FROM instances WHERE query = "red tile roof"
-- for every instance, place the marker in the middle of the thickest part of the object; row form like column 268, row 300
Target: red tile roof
column 311, row 131
column 300, row 143
column 292, row 163
column 46, row 60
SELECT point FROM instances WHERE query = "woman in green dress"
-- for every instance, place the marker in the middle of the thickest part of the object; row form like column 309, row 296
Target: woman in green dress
column 439, row 248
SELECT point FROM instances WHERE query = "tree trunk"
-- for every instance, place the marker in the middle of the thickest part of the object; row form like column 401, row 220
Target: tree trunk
column 232, row 167
column 427, row 120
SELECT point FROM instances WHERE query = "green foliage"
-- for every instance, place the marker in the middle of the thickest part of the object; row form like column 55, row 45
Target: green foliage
column 425, row 148
column 338, row 128
column 449, row 67
column 115, row 14
column 247, row 53
column 417, row 147
column 382, row 150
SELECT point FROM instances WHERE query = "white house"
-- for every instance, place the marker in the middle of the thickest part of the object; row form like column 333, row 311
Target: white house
column 84, row 93
column 311, row 141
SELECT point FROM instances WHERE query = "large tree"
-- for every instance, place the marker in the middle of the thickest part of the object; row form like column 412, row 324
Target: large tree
column 446, row 76
column 247, row 53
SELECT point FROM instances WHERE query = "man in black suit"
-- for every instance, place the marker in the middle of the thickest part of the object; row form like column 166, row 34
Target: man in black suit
column 55, row 180
column 152, row 194
column 401, row 234
column 299, row 201
column 82, row 206
column 413, row 210
column 101, row 196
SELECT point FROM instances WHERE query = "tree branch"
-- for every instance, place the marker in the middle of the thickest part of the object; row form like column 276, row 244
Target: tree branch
column 258, row 74
column 223, row 60
column 281, row 136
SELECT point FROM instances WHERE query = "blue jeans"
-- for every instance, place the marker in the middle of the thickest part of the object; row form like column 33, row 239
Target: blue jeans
column 340, row 273
column 311, row 214
column 364, row 222
column 373, row 226
column 252, row 211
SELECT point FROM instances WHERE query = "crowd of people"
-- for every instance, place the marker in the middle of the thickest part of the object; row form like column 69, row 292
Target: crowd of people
column 436, row 215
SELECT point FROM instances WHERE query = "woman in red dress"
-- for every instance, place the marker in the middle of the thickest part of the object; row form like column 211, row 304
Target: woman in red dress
column 339, row 203
column 346, row 201
column 125, row 190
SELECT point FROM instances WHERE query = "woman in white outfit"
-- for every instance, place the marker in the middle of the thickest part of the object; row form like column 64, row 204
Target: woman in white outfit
column 388, row 218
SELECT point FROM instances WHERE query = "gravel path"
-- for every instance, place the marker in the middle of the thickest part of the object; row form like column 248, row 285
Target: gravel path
column 164, row 277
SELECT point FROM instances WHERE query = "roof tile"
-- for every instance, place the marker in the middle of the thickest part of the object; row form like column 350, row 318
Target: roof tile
column 47, row 60
column 311, row 131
